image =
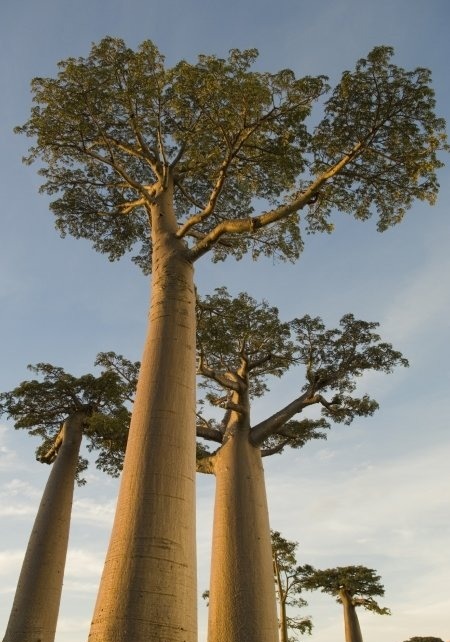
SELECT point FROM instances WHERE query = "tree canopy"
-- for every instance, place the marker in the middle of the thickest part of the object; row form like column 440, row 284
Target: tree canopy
column 118, row 125
column 241, row 342
column 359, row 583
column 41, row 406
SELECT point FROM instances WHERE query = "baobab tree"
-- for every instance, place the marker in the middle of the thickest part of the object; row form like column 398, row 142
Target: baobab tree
column 60, row 408
column 288, row 588
column 240, row 344
column 352, row 586
column 174, row 161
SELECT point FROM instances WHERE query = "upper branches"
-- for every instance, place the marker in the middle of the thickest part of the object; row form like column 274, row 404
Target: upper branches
column 241, row 343
column 358, row 584
column 114, row 128
column 41, row 405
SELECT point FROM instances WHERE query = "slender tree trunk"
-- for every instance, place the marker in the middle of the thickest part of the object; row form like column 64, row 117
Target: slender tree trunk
column 36, row 603
column 282, row 619
column 351, row 622
column 242, row 604
column 284, row 636
column 148, row 588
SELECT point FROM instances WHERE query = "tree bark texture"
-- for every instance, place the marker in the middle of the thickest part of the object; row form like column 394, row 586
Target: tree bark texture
column 36, row 603
column 242, row 603
column 351, row 622
column 148, row 588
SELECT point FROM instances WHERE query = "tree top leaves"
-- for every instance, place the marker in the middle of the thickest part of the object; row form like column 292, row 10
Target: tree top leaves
column 113, row 129
column 42, row 404
column 241, row 342
column 360, row 584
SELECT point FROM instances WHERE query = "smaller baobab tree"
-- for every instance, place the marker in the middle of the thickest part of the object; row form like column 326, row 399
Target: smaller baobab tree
column 240, row 343
column 60, row 408
column 288, row 588
column 352, row 586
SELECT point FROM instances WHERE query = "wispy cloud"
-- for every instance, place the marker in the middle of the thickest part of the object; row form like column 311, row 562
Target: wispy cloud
column 93, row 511
column 9, row 459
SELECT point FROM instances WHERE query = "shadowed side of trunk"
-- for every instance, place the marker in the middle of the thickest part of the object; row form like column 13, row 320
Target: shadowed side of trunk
column 36, row 603
column 242, row 606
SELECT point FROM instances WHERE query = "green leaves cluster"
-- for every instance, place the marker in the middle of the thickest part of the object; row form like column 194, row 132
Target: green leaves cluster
column 235, row 331
column 116, row 126
column 42, row 404
column 241, row 342
column 385, row 116
column 424, row 639
column 335, row 359
column 359, row 583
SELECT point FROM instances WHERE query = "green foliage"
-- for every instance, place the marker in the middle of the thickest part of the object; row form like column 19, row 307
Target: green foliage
column 389, row 112
column 335, row 359
column 424, row 639
column 359, row 583
column 41, row 405
column 288, row 582
column 114, row 126
column 231, row 331
column 241, row 342
column 295, row 434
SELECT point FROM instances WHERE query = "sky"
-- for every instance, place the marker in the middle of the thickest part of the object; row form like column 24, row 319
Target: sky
column 375, row 493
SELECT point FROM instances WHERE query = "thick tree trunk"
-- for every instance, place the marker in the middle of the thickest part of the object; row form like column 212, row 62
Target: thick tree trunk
column 242, row 603
column 148, row 588
column 351, row 622
column 36, row 603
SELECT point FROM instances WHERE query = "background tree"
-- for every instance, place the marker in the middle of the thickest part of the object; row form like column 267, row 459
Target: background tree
column 59, row 408
column 352, row 586
column 288, row 588
column 174, row 161
column 240, row 343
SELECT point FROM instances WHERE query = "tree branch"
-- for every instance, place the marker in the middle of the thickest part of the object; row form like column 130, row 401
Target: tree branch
column 251, row 224
column 272, row 424
column 211, row 434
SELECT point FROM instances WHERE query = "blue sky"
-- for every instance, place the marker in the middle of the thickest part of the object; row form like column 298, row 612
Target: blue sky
column 375, row 493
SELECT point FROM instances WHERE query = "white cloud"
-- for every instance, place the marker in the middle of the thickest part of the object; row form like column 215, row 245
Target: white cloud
column 94, row 512
column 83, row 564
column 8, row 458
column 424, row 302
column 10, row 561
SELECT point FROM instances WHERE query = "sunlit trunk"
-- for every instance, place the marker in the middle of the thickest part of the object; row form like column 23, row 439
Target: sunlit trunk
column 36, row 603
column 148, row 588
column 351, row 622
column 242, row 604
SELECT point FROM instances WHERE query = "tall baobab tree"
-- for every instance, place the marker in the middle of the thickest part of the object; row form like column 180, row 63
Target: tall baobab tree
column 240, row 344
column 175, row 161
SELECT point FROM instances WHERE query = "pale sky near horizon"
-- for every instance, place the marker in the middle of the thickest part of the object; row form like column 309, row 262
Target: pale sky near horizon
column 375, row 493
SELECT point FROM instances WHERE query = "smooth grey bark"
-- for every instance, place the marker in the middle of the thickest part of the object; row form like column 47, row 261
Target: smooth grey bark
column 242, row 602
column 351, row 622
column 148, row 587
column 36, row 603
